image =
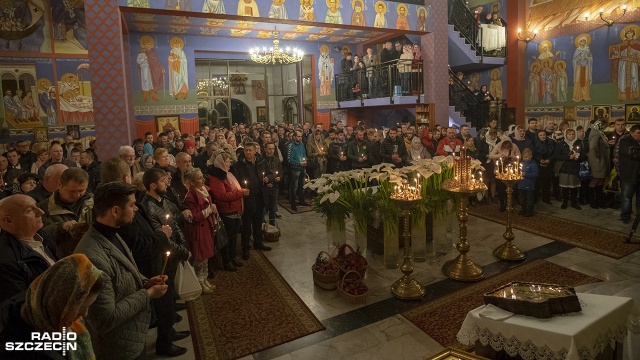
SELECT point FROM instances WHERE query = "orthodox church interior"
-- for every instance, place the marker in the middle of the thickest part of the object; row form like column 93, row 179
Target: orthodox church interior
column 115, row 69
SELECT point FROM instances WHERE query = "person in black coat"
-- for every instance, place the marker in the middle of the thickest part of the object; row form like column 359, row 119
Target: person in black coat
column 543, row 155
column 629, row 168
column 571, row 152
column 246, row 171
column 24, row 253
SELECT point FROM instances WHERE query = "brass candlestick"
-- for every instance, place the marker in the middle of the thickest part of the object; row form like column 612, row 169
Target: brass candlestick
column 463, row 185
column 407, row 288
column 508, row 251
column 462, row 267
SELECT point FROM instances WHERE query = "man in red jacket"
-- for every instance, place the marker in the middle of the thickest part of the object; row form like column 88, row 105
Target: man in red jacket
column 449, row 145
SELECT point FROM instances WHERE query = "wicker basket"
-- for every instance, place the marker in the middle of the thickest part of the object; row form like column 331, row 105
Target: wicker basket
column 270, row 233
column 352, row 275
column 327, row 282
column 357, row 261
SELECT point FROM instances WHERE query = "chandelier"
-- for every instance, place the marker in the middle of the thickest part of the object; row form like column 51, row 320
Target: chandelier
column 275, row 54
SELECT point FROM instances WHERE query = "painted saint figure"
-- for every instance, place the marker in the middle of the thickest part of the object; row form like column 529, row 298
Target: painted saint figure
column 10, row 106
column 47, row 100
column 30, row 105
column 69, row 15
column 401, row 22
column 248, row 8
column 628, row 65
column 495, row 86
column 17, row 99
column 178, row 75
column 546, row 82
column 357, row 18
column 325, row 66
column 277, row 10
column 307, row 13
column 534, row 84
column 333, row 15
column 151, row 71
column 561, row 81
column 213, row 7
column 421, row 23
column 634, row 115
column 582, row 68
column 380, row 20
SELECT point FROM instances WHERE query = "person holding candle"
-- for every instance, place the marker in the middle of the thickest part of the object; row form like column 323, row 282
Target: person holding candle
column 119, row 318
column 567, row 152
column 317, row 152
column 296, row 158
column 599, row 163
column 247, row 169
column 527, row 185
column 450, row 144
column 543, row 154
column 199, row 233
column 487, row 140
column 338, row 154
column 271, row 169
column 358, row 151
column 393, row 149
column 417, row 151
column 228, row 197
column 506, row 154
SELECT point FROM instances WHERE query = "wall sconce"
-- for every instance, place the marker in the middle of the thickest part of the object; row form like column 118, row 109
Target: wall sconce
column 610, row 22
column 527, row 38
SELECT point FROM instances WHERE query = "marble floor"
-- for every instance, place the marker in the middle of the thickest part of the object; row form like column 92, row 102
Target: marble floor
column 376, row 330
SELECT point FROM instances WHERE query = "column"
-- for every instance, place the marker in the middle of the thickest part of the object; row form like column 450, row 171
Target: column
column 517, row 14
column 435, row 53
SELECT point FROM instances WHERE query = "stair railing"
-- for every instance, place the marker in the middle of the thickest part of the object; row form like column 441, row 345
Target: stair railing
column 466, row 23
column 464, row 100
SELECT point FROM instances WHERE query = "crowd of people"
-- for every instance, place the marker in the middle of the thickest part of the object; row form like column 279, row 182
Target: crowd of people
column 103, row 228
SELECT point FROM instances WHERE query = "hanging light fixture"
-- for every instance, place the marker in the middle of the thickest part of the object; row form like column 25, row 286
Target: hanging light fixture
column 275, row 54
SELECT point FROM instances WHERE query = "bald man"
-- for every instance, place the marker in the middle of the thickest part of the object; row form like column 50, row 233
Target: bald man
column 55, row 157
column 50, row 182
column 24, row 254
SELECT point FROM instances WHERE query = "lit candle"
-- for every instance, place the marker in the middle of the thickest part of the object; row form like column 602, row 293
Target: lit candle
column 166, row 219
column 276, row 174
column 263, row 174
column 166, row 259
column 245, row 183
column 341, row 154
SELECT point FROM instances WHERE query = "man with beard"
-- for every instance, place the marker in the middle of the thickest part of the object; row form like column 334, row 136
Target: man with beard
column 449, row 145
column 358, row 151
column 393, row 149
column 118, row 320
column 151, row 71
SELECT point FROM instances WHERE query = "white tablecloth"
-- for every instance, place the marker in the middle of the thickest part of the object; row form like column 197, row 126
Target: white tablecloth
column 575, row 336
column 493, row 37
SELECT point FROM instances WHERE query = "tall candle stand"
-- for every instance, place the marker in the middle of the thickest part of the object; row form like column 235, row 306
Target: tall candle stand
column 509, row 176
column 463, row 185
column 407, row 288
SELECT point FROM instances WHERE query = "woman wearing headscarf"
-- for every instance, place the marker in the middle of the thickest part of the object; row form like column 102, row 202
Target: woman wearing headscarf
column 599, row 161
column 417, row 151
column 543, row 155
column 58, row 298
column 487, row 140
column 317, row 154
column 427, row 139
column 505, row 153
column 227, row 195
column 199, row 232
column 146, row 162
column 571, row 152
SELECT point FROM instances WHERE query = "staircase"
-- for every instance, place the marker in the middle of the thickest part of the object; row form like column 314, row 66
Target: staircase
column 464, row 57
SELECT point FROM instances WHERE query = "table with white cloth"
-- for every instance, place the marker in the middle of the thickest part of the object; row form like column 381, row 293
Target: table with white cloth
column 583, row 335
column 493, row 37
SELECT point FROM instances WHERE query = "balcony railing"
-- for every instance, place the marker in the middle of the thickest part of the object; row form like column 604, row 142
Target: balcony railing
column 403, row 77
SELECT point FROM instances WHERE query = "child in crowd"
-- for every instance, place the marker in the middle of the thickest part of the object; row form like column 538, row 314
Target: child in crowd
column 527, row 185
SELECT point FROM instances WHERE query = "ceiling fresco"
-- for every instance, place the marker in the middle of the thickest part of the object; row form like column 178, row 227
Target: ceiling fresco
column 164, row 22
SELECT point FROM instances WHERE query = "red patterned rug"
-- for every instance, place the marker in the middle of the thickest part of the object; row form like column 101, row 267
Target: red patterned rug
column 442, row 318
column 601, row 241
column 250, row 310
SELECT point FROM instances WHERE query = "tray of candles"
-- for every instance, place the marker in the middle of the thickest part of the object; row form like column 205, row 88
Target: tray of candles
column 537, row 300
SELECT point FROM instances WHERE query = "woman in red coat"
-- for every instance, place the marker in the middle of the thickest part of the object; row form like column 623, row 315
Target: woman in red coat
column 227, row 195
column 199, row 232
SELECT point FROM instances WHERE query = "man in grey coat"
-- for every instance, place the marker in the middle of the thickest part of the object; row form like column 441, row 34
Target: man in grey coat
column 119, row 319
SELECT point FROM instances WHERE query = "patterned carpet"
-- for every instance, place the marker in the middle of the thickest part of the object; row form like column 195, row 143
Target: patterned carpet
column 442, row 318
column 285, row 204
column 251, row 310
column 588, row 237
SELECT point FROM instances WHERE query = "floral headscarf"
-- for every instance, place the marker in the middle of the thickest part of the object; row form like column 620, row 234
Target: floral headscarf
column 55, row 298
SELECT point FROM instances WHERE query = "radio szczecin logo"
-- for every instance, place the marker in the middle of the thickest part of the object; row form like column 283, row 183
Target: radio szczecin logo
column 47, row 341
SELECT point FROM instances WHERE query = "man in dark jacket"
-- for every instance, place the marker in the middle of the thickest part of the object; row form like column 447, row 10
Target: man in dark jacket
column 92, row 167
column 27, row 157
column 246, row 171
column 24, row 254
column 543, row 155
column 270, row 171
column 183, row 162
column 357, row 151
column 338, row 160
column 148, row 247
column 393, row 149
column 629, row 168
column 50, row 182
